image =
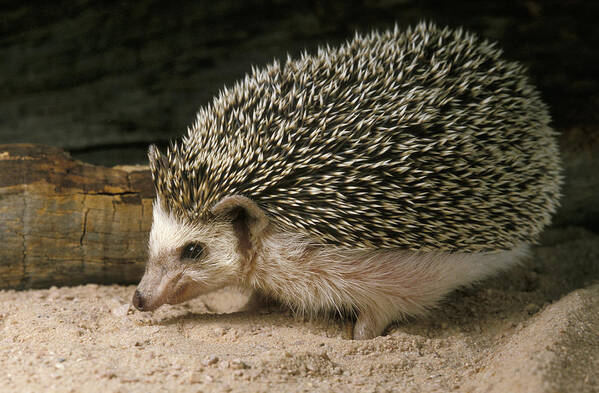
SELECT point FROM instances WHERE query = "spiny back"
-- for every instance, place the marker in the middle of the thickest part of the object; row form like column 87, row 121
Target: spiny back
column 423, row 140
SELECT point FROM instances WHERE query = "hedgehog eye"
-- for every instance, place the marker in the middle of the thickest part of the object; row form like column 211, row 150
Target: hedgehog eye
column 192, row 251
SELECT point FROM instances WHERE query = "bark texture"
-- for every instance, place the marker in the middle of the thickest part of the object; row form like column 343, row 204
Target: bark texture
column 65, row 222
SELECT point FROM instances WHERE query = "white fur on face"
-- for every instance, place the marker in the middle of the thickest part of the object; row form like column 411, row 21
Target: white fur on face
column 169, row 233
column 170, row 279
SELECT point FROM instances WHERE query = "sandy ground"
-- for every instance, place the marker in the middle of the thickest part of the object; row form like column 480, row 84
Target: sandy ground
column 534, row 329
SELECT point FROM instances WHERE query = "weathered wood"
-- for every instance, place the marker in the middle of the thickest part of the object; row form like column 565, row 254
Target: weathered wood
column 65, row 222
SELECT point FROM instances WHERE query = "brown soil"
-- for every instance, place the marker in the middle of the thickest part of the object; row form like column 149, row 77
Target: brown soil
column 534, row 329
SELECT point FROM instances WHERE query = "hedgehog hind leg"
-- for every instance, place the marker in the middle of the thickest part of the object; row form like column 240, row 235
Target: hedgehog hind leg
column 372, row 322
column 415, row 283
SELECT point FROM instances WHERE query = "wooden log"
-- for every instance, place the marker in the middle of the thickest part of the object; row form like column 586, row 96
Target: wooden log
column 65, row 222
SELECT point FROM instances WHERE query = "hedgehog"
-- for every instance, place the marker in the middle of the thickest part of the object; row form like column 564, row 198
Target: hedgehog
column 367, row 180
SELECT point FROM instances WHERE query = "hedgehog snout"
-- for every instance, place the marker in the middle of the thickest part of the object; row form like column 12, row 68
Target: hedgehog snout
column 138, row 301
column 154, row 288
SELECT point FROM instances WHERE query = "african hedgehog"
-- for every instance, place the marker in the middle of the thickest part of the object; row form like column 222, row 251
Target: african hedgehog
column 370, row 179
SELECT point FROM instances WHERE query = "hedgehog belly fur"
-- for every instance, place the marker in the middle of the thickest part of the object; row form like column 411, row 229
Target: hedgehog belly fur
column 378, row 286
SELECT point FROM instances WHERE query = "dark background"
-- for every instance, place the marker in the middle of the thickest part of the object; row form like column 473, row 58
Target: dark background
column 105, row 79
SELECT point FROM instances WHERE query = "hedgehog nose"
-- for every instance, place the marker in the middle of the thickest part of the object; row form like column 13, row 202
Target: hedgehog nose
column 138, row 301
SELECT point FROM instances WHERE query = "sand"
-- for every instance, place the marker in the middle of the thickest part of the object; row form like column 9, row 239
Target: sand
column 533, row 329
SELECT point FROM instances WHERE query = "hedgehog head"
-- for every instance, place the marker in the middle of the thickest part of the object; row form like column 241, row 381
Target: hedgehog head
column 191, row 257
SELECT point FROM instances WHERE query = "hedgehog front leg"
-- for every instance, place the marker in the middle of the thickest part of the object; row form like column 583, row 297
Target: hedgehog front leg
column 257, row 301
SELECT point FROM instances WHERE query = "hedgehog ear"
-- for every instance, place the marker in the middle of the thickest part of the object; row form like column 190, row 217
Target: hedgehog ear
column 248, row 219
